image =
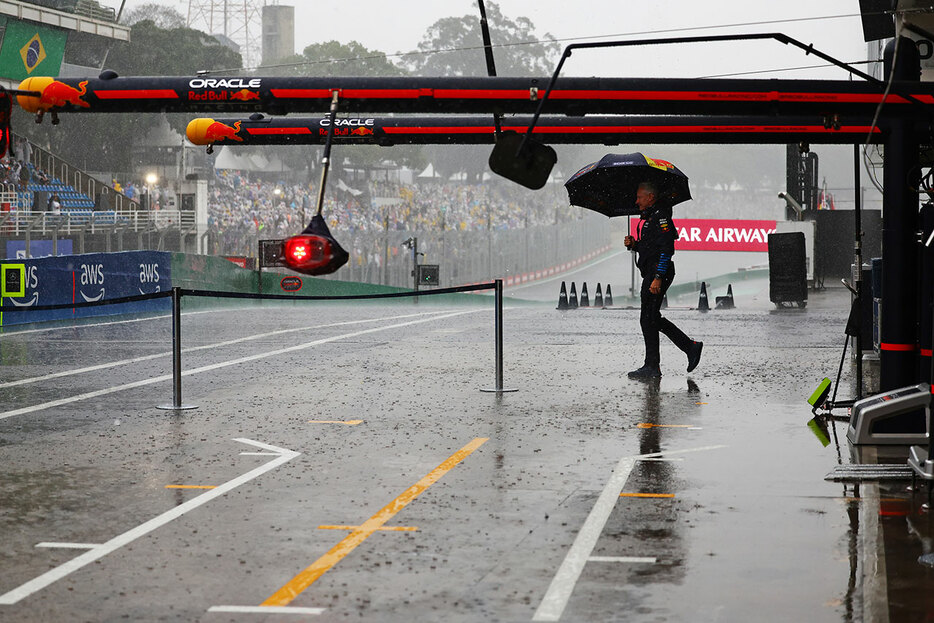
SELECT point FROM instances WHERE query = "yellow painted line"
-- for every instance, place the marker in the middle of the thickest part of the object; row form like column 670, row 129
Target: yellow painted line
column 190, row 487
column 647, row 425
column 384, row 528
column 346, row 422
column 294, row 587
column 701, row 403
column 646, row 495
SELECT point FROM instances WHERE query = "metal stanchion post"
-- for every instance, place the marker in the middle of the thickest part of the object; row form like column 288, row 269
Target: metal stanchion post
column 176, row 355
column 498, row 330
column 858, row 277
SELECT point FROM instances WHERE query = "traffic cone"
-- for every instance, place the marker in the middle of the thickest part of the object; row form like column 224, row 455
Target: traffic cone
column 702, row 303
column 598, row 297
column 726, row 302
column 585, row 298
column 572, row 298
column 664, row 301
column 563, row 298
column 608, row 297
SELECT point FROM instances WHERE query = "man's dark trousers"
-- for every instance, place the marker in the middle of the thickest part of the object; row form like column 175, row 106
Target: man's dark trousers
column 652, row 321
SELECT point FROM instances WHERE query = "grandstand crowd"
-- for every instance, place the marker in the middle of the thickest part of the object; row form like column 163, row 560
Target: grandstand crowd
column 241, row 207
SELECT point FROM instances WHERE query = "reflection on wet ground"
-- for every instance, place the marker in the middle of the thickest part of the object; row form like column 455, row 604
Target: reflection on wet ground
column 585, row 496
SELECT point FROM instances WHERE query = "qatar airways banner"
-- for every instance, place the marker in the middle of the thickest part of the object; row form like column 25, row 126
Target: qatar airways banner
column 718, row 234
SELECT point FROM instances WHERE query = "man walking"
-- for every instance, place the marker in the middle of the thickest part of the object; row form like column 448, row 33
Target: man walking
column 654, row 250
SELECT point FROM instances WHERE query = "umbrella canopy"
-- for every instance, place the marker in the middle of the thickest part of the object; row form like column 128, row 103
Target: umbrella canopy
column 609, row 186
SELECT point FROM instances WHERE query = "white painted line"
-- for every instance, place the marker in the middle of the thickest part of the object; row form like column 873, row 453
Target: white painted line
column 659, row 456
column 874, row 577
column 562, row 585
column 114, row 364
column 633, row 559
column 259, row 454
column 11, row 330
column 556, row 598
column 102, row 366
column 267, row 609
column 223, row 364
column 69, row 545
column 99, row 551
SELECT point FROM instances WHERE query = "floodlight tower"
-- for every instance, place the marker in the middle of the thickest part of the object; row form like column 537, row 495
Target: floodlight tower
column 238, row 21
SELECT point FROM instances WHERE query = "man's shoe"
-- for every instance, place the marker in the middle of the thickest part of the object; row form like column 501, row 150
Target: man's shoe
column 694, row 353
column 646, row 372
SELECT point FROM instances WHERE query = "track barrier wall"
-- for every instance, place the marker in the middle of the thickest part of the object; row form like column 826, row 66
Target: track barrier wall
column 88, row 278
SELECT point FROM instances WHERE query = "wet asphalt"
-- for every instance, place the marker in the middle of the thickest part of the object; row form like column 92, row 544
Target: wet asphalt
column 342, row 464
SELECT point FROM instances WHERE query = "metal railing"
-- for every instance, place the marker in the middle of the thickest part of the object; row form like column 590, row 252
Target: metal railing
column 9, row 198
column 71, row 175
column 23, row 222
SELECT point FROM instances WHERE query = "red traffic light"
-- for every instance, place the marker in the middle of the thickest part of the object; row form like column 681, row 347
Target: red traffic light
column 312, row 255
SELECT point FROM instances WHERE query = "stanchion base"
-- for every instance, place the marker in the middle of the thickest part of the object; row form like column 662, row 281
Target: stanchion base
column 177, row 408
column 492, row 390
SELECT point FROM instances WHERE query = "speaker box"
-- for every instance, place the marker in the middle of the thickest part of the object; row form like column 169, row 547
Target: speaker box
column 788, row 281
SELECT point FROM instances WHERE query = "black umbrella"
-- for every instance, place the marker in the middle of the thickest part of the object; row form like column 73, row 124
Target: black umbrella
column 609, row 186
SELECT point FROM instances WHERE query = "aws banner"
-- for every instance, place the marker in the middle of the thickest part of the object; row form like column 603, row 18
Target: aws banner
column 86, row 278
column 719, row 234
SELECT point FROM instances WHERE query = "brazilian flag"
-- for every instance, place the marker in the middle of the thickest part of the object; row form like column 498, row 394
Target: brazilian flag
column 30, row 49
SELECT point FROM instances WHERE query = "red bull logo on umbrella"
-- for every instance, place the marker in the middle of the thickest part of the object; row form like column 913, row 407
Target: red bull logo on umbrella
column 664, row 165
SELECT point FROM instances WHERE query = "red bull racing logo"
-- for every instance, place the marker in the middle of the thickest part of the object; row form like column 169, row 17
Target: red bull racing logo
column 348, row 127
column 220, row 89
column 58, row 94
column 218, row 131
column 244, row 95
column 51, row 94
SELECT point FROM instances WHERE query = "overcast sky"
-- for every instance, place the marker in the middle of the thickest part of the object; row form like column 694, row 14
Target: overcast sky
column 833, row 26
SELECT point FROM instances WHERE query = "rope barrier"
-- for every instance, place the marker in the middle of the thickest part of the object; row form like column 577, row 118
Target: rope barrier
column 248, row 295
column 337, row 297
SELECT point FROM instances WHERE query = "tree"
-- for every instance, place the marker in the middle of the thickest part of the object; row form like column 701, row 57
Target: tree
column 156, row 51
column 332, row 58
column 109, row 139
column 453, row 46
column 162, row 16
